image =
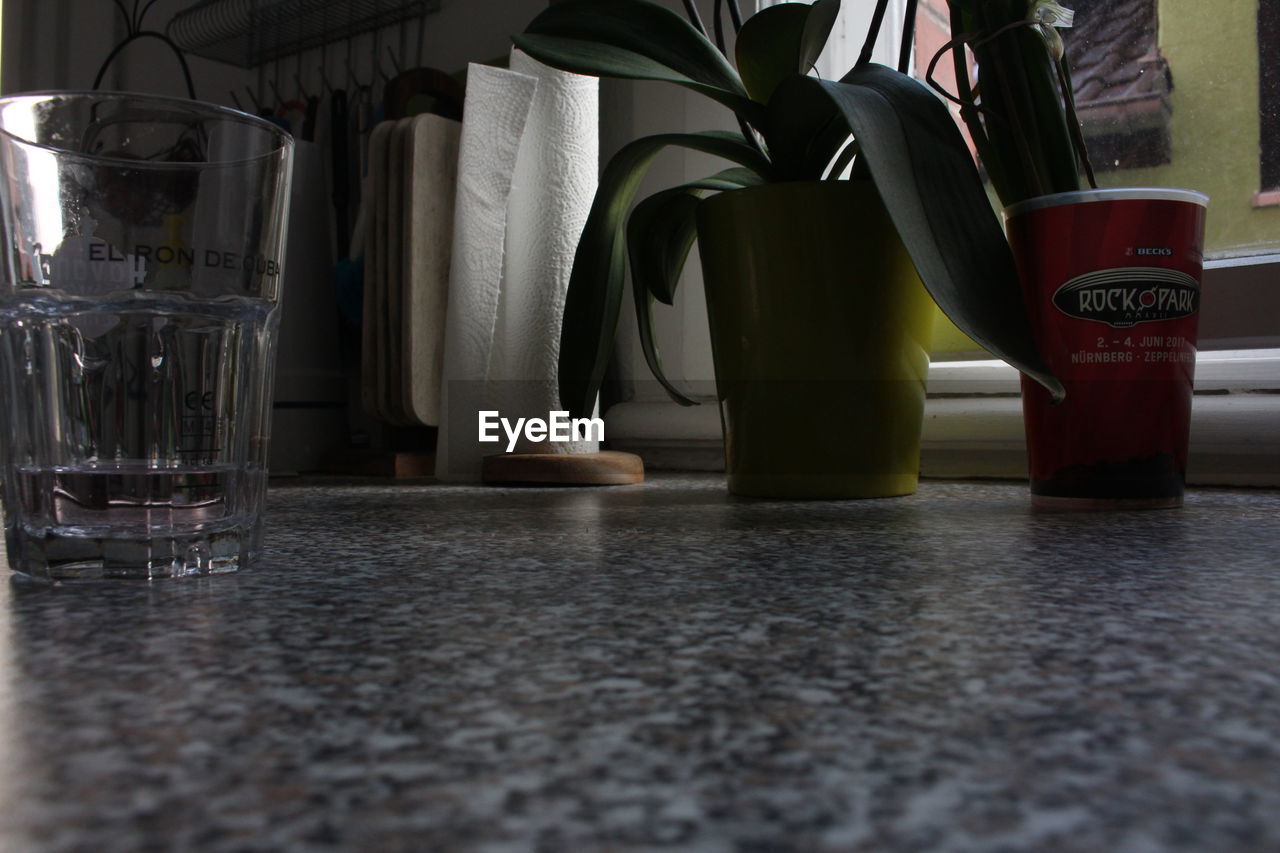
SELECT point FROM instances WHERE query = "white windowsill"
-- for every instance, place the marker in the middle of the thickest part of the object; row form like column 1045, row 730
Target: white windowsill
column 973, row 423
column 1243, row 371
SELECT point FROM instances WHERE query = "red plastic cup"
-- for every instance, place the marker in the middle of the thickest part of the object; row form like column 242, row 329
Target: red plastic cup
column 1111, row 280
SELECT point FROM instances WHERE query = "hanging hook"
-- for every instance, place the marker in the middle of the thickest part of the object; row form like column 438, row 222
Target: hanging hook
column 297, row 67
column 351, row 75
column 324, row 61
column 271, row 81
column 375, row 61
column 350, row 44
column 128, row 18
column 142, row 15
column 404, row 42
column 422, row 35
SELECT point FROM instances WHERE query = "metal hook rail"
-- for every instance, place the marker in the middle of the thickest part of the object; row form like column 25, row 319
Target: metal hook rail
column 249, row 33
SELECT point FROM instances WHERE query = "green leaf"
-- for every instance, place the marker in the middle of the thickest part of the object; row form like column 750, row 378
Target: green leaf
column 803, row 133
column 634, row 40
column 682, row 205
column 662, row 228
column 780, row 41
column 660, row 233
column 926, row 177
column 599, row 266
column 768, row 47
column 817, row 29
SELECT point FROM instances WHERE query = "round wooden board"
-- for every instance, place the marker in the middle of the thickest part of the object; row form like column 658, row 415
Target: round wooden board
column 606, row 468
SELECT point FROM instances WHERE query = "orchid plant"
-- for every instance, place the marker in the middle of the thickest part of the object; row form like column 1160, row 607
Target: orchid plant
column 794, row 126
column 1021, row 112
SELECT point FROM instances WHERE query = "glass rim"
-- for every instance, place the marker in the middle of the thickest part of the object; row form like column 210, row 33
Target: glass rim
column 1107, row 194
column 284, row 141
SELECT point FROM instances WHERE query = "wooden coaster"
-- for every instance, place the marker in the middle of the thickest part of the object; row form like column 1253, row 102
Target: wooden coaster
column 606, row 468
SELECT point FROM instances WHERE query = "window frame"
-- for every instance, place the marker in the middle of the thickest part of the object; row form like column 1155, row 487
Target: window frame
column 1268, row 104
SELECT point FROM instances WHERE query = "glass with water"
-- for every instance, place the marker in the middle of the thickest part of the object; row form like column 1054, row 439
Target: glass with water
column 143, row 241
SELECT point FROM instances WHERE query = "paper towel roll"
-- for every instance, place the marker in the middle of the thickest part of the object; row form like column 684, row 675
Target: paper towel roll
column 497, row 107
column 554, row 185
column 503, row 330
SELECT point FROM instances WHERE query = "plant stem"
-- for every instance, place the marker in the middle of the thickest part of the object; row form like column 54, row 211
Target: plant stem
column 908, row 36
column 1046, row 112
column 961, row 23
column 1028, row 136
column 1073, row 123
column 735, row 15
column 873, row 33
column 750, row 135
column 999, row 72
column 691, row 11
column 1022, row 102
column 718, row 22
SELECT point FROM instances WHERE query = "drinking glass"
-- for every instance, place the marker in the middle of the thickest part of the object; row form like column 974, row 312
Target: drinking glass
column 143, row 239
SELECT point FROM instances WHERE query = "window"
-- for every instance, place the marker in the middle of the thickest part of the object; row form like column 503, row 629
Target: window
column 1269, row 103
column 1122, row 83
column 1174, row 94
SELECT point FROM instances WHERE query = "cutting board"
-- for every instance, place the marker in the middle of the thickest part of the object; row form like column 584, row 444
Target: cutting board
column 431, row 173
column 393, row 320
column 373, row 336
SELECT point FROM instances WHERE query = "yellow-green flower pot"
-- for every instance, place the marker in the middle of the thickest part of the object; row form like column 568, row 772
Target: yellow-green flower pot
column 820, row 334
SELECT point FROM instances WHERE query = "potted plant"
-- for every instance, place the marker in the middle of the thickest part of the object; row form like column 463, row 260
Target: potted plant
column 1111, row 278
column 816, row 331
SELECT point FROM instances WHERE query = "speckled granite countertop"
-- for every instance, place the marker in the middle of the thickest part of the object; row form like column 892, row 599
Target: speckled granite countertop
column 423, row 667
